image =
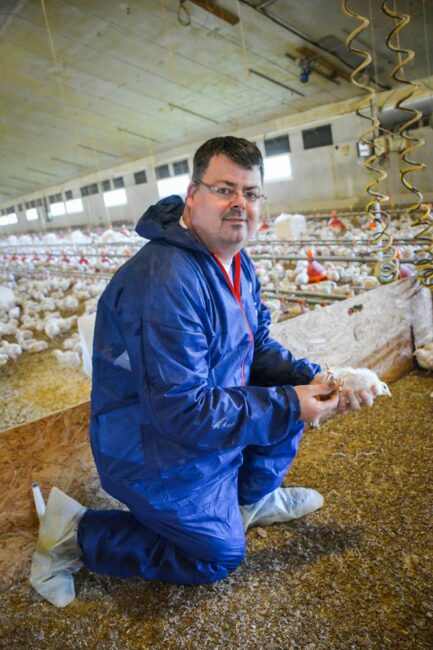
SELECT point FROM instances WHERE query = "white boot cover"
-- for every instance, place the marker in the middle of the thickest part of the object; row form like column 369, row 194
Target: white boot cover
column 57, row 554
column 283, row 504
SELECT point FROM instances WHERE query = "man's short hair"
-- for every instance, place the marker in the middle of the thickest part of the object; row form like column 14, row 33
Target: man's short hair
column 242, row 152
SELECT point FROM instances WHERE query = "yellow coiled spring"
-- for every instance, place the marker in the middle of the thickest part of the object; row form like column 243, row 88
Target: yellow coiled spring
column 418, row 212
column 387, row 267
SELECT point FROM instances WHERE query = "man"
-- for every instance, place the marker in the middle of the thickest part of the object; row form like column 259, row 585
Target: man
column 197, row 413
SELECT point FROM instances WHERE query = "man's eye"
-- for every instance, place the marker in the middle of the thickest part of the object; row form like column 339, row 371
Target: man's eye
column 251, row 196
column 223, row 191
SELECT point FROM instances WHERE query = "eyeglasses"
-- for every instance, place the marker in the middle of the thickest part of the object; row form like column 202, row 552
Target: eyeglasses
column 229, row 193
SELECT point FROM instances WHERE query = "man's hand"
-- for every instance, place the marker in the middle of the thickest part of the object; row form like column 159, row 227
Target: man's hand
column 316, row 399
column 349, row 400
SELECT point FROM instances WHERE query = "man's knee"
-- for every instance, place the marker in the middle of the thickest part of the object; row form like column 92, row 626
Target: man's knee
column 226, row 551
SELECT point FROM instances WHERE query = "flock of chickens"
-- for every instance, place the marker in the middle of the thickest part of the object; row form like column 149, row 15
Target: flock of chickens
column 34, row 315
column 47, row 281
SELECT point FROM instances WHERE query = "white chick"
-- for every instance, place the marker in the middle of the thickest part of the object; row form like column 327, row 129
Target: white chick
column 33, row 345
column 69, row 358
column 301, row 278
column 424, row 356
column 370, row 282
column 52, row 328
column 358, row 379
column 3, row 359
column 70, row 303
column 21, row 335
column 13, row 350
column 15, row 312
column 68, row 344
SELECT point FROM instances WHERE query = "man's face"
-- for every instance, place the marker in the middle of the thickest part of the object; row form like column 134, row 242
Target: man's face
column 224, row 224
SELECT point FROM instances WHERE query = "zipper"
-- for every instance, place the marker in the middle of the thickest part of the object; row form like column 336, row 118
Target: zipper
column 236, row 291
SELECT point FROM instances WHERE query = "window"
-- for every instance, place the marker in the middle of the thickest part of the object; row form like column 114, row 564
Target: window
column 364, row 150
column 277, row 159
column 55, row 198
column 10, row 210
column 162, row 171
column 68, row 195
column 28, row 206
column 118, row 183
column 276, row 146
column 20, row 207
column 140, row 177
column 278, row 168
column 106, row 186
column 8, row 219
column 180, row 167
column 38, row 203
column 74, row 205
column 176, row 185
column 87, row 190
column 57, row 209
column 32, row 214
column 321, row 136
column 115, row 197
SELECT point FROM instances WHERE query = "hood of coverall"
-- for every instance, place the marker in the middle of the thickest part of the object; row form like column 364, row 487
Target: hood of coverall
column 161, row 221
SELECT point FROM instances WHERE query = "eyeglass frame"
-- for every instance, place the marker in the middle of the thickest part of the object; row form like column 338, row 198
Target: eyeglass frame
column 232, row 193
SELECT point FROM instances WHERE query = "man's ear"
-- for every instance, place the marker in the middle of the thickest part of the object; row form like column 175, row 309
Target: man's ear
column 190, row 192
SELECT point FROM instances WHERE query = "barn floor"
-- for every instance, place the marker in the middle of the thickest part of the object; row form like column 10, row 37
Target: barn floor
column 355, row 575
column 36, row 385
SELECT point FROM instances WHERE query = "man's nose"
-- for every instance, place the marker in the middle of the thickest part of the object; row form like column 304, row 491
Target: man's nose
column 239, row 200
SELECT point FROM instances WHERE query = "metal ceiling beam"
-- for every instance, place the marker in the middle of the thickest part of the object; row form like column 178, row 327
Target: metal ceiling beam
column 274, row 81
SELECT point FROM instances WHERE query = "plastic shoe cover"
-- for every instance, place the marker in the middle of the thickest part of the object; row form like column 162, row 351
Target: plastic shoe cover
column 283, row 504
column 57, row 554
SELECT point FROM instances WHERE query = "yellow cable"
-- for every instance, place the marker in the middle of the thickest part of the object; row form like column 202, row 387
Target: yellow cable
column 419, row 213
column 387, row 268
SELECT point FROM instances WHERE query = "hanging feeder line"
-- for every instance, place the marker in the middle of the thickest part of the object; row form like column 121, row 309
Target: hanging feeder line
column 419, row 213
column 329, row 258
column 387, row 265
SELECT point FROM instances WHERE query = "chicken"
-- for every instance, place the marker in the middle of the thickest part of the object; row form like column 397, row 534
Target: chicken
column 424, row 356
column 34, row 345
column 12, row 350
column 69, row 358
column 358, row 379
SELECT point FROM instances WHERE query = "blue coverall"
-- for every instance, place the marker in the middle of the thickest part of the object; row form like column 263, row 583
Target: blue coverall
column 193, row 409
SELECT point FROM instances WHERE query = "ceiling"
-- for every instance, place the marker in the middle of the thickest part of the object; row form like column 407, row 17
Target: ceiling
column 86, row 85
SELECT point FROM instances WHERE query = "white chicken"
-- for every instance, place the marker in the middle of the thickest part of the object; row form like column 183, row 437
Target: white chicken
column 34, row 345
column 70, row 359
column 12, row 350
column 424, row 356
column 358, row 379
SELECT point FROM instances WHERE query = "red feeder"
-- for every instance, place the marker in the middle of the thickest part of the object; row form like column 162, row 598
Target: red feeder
column 334, row 222
column 316, row 272
column 405, row 272
column 264, row 224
